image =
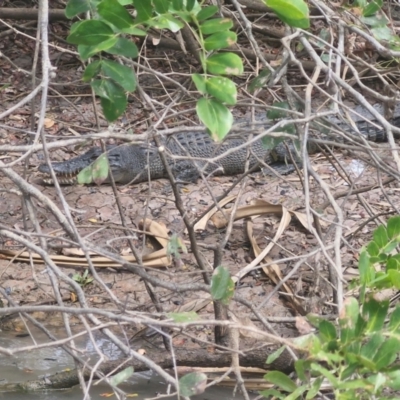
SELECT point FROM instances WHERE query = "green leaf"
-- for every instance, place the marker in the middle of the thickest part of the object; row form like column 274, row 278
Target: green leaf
column 183, row 316
column 113, row 98
column 297, row 393
column 382, row 280
column 75, row 7
column 206, row 12
column 175, row 244
column 225, row 64
column 216, row 25
column 96, row 173
column 325, row 372
column 259, row 81
column 382, row 33
column 349, row 370
column 272, row 394
column 100, row 89
column 313, row 391
column 124, row 47
column 161, row 6
column 302, row 368
column 375, row 21
column 387, row 353
column 278, row 114
column 394, row 277
column 77, row 277
column 308, row 343
column 121, row 376
column 355, row 384
column 85, row 52
column 394, row 379
column 375, row 312
column 369, row 349
column 121, row 74
column 394, row 323
column 115, row 14
column 85, row 178
column 177, row 5
column 222, row 285
column 190, row 4
column 192, row 384
column 200, row 82
column 220, row 40
column 167, row 21
column 372, row 8
column 91, row 32
column 293, row 12
column 360, row 327
column 314, row 319
column 89, row 51
column 144, row 10
column 373, row 249
column 325, row 35
column 270, row 142
column 91, row 71
column 348, row 319
column 222, row 89
column 380, row 236
column 215, row 116
column 281, row 380
column 275, row 355
column 327, row 331
column 367, row 272
column 390, row 247
column 393, row 227
column 133, row 30
column 100, row 169
column 379, row 381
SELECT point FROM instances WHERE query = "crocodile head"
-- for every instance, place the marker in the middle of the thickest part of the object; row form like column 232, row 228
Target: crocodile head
column 67, row 171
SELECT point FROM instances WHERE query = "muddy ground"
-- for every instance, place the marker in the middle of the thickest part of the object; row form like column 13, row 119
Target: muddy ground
column 70, row 114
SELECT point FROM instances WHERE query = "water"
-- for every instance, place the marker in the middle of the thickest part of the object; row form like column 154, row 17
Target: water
column 31, row 365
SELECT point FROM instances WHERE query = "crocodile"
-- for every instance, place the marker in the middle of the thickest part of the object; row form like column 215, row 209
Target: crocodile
column 187, row 154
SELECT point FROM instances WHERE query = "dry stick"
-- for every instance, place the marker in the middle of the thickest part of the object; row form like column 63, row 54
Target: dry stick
column 349, row 192
column 47, row 68
column 40, row 326
column 31, row 14
column 234, row 342
column 27, row 200
column 351, row 90
column 191, row 43
column 219, row 251
column 46, row 64
column 367, row 206
column 340, row 82
column 336, row 266
column 356, row 191
column 263, row 320
column 360, row 99
column 16, row 67
column 21, row 27
column 220, row 312
column 249, row 34
column 180, row 207
column 384, row 192
column 372, row 218
column 82, row 299
column 149, row 288
column 219, row 308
